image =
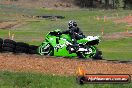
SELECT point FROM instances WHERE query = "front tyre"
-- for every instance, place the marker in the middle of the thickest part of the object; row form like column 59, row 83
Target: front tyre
column 46, row 49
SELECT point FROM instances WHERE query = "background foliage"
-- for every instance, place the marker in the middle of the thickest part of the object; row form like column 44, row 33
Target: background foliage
column 114, row 4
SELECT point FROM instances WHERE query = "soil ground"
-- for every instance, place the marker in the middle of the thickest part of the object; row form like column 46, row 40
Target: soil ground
column 9, row 24
column 60, row 65
column 127, row 19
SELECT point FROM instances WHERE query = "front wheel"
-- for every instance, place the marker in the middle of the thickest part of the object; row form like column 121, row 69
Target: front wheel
column 46, row 49
column 93, row 52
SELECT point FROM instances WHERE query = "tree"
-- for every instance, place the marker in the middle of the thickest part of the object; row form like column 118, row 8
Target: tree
column 106, row 3
column 127, row 4
column 115, row 4
column 84, row 3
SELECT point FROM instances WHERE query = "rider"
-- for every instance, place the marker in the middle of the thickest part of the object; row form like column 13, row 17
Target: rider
column 74, row 32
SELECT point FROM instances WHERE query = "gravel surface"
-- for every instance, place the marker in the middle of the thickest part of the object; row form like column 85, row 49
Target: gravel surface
column 60, row 66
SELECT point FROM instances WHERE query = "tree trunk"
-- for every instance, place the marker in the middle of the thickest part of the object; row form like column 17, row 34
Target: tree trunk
column 91, row 3
column 106, row 4
column 113, row 4
column 125, row 2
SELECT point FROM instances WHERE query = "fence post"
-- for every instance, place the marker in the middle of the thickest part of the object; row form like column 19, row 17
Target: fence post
column 105, row 18
column 126, row 30
column 117, row 15
column 102, row 30
column 9, row 34
column 98, row 18
column 12, row 38
column 130, row 15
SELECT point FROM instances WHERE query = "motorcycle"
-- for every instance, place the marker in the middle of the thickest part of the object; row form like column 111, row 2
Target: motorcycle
column 57, row 44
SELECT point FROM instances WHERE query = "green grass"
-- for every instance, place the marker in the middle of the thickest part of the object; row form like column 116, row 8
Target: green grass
column 120, row 49
column 35, row 80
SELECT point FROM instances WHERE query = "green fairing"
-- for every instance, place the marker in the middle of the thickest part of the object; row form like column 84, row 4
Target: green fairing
column 63, row 51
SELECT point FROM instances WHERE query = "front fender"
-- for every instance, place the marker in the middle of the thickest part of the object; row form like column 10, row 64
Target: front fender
column 41, row 46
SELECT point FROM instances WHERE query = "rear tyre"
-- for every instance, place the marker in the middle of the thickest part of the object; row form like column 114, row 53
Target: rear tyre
column 22, row 44
column 93, row 53
column 1, row 42
column 8, row 49
column 9, row 41
column 46, row 49
column 8, row 45
column 21, row 47
column 98, row 55
column 32, row 49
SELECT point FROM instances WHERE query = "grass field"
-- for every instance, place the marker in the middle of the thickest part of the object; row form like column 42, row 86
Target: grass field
column 35, row 30
column 35, row 80
column 117, row 49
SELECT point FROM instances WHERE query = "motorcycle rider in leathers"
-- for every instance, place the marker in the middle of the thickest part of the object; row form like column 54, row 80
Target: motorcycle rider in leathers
column 74, row 31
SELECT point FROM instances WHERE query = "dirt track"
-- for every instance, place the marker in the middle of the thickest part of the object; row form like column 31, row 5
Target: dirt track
column 60, row 66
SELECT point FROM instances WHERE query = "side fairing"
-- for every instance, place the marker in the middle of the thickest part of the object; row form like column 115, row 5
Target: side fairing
column 60, row 49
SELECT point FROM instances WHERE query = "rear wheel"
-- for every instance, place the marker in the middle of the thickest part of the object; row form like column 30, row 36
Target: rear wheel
column 8, row 49
column 21, row 47
column 32, row 49
column 46, row 49
column 93, row 52
column 9, row 41
column 98, row 55
column 8, row 45
column 1, row 42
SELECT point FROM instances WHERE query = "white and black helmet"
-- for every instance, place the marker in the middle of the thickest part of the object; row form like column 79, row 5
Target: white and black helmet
column 72, row 24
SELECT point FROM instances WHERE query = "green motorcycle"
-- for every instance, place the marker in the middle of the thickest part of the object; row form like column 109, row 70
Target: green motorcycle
column 61, row 45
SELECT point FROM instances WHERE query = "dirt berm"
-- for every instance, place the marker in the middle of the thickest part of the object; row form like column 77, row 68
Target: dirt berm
column 60, row 66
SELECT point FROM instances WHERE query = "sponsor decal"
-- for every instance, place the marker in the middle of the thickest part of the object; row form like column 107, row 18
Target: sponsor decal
column 82, row 78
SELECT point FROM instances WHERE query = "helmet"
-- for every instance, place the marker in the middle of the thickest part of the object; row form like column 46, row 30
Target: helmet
column 72, row 24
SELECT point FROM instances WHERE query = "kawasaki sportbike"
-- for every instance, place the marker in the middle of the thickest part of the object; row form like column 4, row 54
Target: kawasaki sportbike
column 61, row 45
